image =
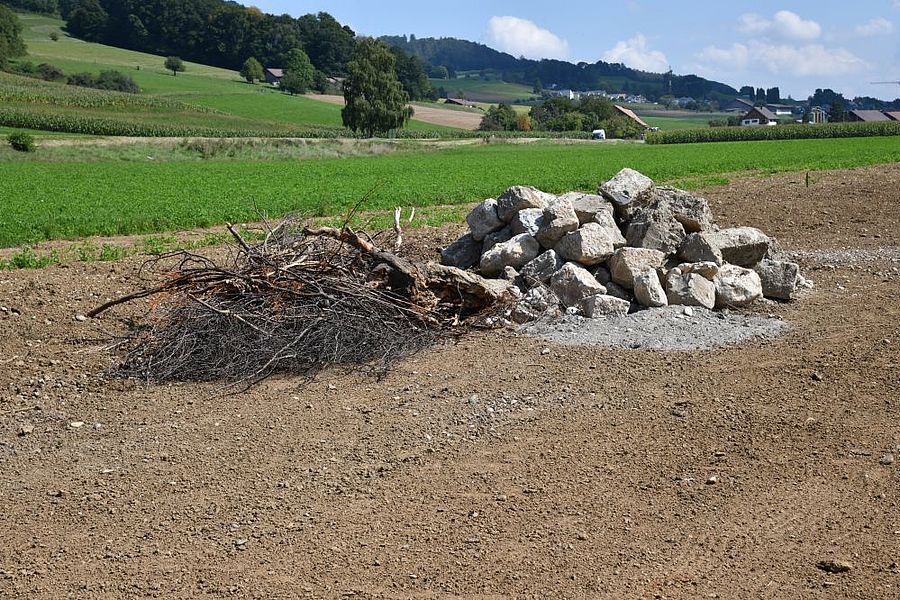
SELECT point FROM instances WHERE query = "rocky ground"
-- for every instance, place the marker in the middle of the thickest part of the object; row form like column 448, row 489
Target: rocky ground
column 501, row 465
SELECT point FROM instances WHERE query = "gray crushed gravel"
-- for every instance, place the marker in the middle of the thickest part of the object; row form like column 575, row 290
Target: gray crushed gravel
column 659, row 329
column 848, row 256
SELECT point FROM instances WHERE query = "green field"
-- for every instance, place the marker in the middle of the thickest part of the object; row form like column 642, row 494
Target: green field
column 479, row 90
column 255, row 106
column 66, row 200
column 668, row 123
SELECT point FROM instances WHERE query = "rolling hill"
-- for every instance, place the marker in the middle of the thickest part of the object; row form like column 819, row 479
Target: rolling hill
column 256, row 106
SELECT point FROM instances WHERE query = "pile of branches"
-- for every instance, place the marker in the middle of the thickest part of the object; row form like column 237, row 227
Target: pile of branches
column 298, row 302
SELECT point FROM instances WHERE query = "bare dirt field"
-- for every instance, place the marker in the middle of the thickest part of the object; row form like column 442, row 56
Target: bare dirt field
column 486, row 468
column 435, row 116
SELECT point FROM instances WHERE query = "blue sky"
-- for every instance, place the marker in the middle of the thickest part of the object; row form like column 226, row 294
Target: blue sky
column 798, row 46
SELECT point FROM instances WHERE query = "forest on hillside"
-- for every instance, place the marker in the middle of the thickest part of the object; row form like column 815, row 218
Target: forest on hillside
column 462, row 55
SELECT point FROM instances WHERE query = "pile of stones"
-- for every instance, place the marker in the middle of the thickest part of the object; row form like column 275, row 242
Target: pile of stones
column 633, row 245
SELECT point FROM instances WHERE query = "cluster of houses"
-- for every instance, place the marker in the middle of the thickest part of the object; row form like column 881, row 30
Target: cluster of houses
column 573, row 95
column 771, row 113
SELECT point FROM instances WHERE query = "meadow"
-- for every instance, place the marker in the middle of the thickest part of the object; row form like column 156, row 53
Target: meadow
column 71, row 198
column 254, row 107
column 481, row 90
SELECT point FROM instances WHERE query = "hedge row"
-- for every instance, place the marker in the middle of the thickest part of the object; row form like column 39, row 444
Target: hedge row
column 779, row 132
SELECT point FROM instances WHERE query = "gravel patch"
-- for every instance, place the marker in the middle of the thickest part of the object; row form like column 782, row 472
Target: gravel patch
column 848, row 256
column 659, row 329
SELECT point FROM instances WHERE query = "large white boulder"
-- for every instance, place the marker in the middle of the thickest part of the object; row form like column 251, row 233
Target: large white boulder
column 648, row 289
column 588, row 206
column 589, row 245
column 690, row 289
column 779, row 278
column 527, row 220
column 601, row 305
column 742, row 246
column 520, row 197
column 737, row 286
column 483, row 220
column 559, row 219
column 655, row 227
column 626, row 187
column 515, row 253
column 700, row 247
column 627, row 263
column 572, row 283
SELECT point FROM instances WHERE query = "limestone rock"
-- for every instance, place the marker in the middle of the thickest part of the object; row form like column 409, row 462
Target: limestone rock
column 588, row 206
column 492, row 239
column 589, row 245
column 520, row 197
column 737, row 286
column 463, row 253
column 691, row 211
column 484, row 220
column 625, row 188
column 700, row 247
column 709, row 270
column 779, row 278
column 608, row 222
column 541, row 269
column 527, row 220
column 536, row 302
column 601, row 305
column 648, row 289
column 742, row 246
column 572, row 283
column 654, row 226
column 627, row 263
column 559, row 219
column 516, row 253
column 690, row 289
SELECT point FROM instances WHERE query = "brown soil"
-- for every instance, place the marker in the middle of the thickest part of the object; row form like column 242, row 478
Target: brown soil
column 426, row 114
column 481, row 469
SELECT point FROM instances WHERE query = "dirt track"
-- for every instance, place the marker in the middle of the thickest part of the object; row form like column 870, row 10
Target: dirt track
column 484, row 469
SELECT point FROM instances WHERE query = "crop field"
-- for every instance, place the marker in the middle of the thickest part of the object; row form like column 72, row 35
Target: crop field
column 72, row 199
column 670, row 123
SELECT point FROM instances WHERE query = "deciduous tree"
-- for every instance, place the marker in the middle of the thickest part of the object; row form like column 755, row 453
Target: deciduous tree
column 174, row 64
column 252, row 70
column 375, row 100
column 11, row 44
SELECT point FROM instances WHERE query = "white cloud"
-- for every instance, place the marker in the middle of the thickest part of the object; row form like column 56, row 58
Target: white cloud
column 636, row 54
column 783, row 59
column 877, row 26
column 521, row 37
column 784, row 25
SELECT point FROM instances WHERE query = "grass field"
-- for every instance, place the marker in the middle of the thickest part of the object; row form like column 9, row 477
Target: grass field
column 258, row 106
column 479, row 90
column 65, row 200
